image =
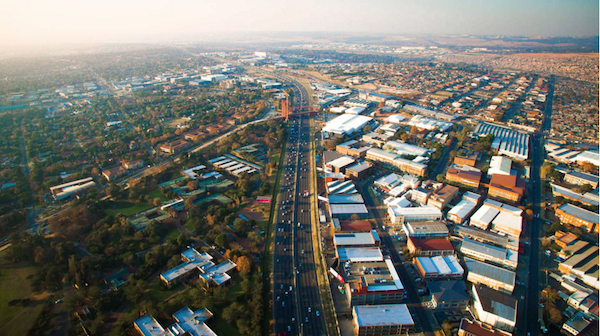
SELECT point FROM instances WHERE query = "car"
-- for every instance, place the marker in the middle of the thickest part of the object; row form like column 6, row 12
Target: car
column 289, row 328
column 318, row 313
column 58, row 301
column 278, row 298
column 306, row 320
column 283, row 303
column 309, row 310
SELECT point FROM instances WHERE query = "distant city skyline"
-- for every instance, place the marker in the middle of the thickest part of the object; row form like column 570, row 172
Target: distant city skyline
column 67, row 21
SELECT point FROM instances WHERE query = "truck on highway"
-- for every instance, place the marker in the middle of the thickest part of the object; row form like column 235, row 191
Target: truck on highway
column 306, row 193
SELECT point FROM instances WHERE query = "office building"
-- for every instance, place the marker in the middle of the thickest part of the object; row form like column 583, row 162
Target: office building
column 507, row 187
column 465, row 177
column 382, row 320
column 199, row 264
column 368, row 283
column 442, row 197
column 425, row 229
column 187, row 322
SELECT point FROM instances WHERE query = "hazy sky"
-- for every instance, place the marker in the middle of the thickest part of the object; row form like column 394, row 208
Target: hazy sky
column 27, row 22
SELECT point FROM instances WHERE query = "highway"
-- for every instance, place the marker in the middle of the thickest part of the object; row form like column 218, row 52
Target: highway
column 297, row 305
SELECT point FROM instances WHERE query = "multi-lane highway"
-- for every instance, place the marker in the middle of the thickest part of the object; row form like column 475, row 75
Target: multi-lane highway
column 297, row 306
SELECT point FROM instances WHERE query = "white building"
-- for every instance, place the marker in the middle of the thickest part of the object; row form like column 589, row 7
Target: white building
column 400, row 215
column 500, row 165
column 494, row 308
column 347, row 124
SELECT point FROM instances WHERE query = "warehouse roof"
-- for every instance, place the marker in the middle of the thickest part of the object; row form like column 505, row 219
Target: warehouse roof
column 357, row 238
column 583, row 176
column 500, row 165
column 485, row 215
column 489, row 250
column 431, row 244
column 360, row 254
column 415, row 228
column 359, row 167
column 462, row 209
column 509, row 221
column 359, row 226
column 446, row 265
column 341, row 162
column 580, row 213
column 344, row 209
column 490, row 271
column 382, row 315
column 355, row 198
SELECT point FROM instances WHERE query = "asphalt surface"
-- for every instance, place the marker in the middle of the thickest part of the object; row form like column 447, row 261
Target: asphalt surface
column 297, row 305
column 537, row 159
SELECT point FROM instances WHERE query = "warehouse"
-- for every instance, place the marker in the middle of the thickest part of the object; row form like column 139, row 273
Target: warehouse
column 494, row 308
column 403, row 148
column 425, row 229
column 439, row 268
column 483, row 217
column 461, row 212
column 512, row 143
column 507, row 223
column 484, row 252
column 500, row 165
column 359, row 254
column 356, row 239
column 398, row 216
column 347, row 124
column 487, row 237
column 346, row 211
column 492, row 276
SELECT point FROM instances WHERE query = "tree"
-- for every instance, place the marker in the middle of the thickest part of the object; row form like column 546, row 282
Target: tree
column 222, row 240
column 588, row 167
column 555, row 315
column 244, row 265
column 447, row 328
column 587, row 188
column 405, row 137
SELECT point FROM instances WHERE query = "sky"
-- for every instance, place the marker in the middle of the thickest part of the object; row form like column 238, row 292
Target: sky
column 33, row 22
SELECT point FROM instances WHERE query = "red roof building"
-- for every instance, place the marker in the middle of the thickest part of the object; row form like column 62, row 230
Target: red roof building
column 507, row 187
column 430, row 247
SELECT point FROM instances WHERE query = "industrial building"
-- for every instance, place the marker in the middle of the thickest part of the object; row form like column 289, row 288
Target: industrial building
column 382, row 320
column 352, row 148
column 357, row 239
column 476, row 328
column 495, row 277
column 508, row 223
column 507, row 141
column 487, row 237
column 438, row 268
column 464, row 175
column 580, row 178
column 500, row 165
column 483, row 217
column 395, row 160
column 346, row 211
column 359, row 170
column 429, row 247
column 463, row 210
column 489, row 253
column 495, row 308
column 347, row 124
column 403, row 148
column 507, row 187
column 425, row 229
column 442, row 197
column 576, row 216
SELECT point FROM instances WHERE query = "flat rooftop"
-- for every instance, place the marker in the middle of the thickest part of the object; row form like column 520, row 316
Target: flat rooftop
column 489, row 250
column 356, row 238
column 360, row 254
column 375, row 276
column 382, row 315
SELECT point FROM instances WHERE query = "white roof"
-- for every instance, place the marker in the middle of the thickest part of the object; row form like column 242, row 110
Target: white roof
column 422, row 210
column 389, row 181
column 447, row 265
column 396, row 118
column 485, row 215
column 355, row 110
column 346, row 124
column 360, row 254
column 403, row 148
column 462, row 209
column 357, row 238
column 382, row 315
column 344, row 209
column 506, row 221
column 341, row 162
column 588, row 156
column 500, row 165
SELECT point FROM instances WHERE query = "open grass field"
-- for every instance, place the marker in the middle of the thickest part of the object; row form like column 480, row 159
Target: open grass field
column 17, row 320
column 124, row 207
column 174, row 122
column 157, row 194
column 158, row 292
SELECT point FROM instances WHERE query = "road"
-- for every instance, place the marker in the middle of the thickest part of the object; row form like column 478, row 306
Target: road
column 414, row 300
column 537, row 159
column 297, row 303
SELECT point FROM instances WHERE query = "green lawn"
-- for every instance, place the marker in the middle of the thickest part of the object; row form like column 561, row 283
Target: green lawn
column 189, row 226
column 124, row 207
column 157, row 194
column 173, row 234
column 158, row 291
column 16, row 320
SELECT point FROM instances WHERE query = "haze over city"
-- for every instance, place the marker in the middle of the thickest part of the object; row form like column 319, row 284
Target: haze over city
column 68, row 21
